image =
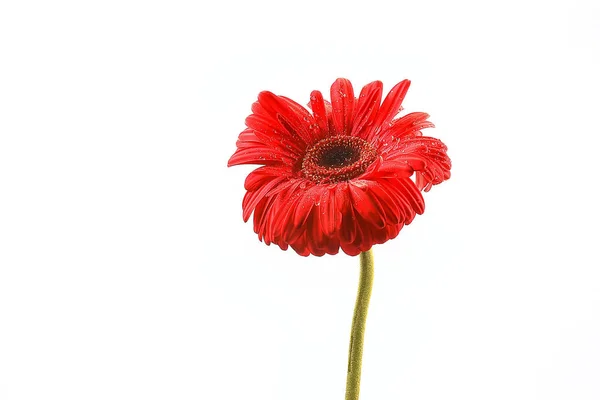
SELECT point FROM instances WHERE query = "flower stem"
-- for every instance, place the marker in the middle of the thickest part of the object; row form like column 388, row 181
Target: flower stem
column 358, row 325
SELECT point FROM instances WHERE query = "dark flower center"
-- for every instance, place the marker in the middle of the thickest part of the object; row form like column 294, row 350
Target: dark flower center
column 338, row 158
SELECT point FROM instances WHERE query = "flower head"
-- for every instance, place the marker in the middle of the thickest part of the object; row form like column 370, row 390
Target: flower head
column 347, row 175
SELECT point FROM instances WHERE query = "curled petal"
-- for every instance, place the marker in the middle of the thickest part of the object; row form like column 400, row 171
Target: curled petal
column 390, row 169
column 428, row 158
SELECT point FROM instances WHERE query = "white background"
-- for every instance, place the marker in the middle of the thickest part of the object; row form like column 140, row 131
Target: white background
column 126, row 271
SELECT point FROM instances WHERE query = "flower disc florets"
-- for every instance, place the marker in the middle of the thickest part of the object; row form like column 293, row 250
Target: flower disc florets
column 338, row 158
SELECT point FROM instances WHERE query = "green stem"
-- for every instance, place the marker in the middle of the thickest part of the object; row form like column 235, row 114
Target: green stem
column 359, row 321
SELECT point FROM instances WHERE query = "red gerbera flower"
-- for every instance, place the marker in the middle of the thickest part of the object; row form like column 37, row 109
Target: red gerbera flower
column 339, row 177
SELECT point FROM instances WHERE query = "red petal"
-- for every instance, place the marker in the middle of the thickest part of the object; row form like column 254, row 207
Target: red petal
column 260, row 155
column 390, row 207
column 317, row 105
column 264, row 142
column 342, row 102
column 316, row 238
column 254, row 147
column 427, row 156
column 261, row 176
column 251, row 199
column 300, row 245
column 367, row 108
column 348, row 224
column 330, row 216
column 364, row 236
column 397, row 193
column 407, row 126
column 391, row 105
column 287, row 115
column 366, row 206
column 390, row 169
column 413, row 195
column 312, row 127
column 304, row 207
column 288, row 197
column 350, row 249
column 269, row 131
column 262, row 219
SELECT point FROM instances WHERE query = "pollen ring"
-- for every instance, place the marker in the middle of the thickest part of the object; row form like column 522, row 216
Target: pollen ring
column 338, row 158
